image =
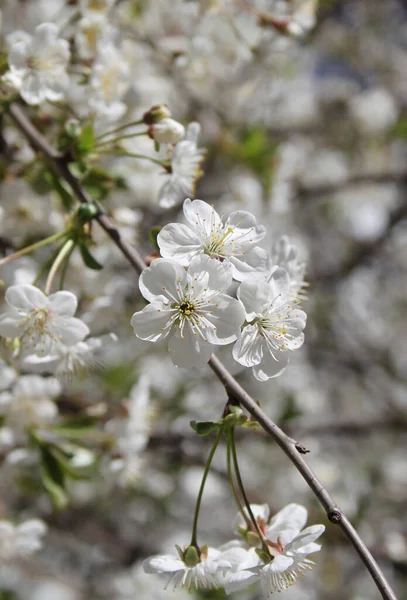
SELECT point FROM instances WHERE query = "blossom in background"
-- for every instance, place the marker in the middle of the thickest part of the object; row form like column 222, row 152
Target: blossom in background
column 38, row 64
column 93, row 30
column 41, row 322
column 98, row 7
column 186, row 160
column 201, row 572
column 288, row 545
column 274, row 326
column 133, row 432
column 233, row 241
column 20, row 540
column 189, row 307
column 284, row 254
column 30, row 402
column 109, row 81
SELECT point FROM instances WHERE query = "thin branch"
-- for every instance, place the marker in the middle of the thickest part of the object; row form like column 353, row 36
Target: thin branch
column 290, row 447
column 59, row 164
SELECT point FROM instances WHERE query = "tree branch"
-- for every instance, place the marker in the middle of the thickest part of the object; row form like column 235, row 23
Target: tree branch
column 289, row 446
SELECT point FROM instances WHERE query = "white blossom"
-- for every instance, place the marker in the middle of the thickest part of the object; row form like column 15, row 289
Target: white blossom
column 31, row 401
column 186, row 160
column 41, row 322
column 233, row 241
column 109, row 81
column 189, row 307
column 20, row 540
column 203, row 574
column 288, row 545
column 92, row 31
column 274, row 326
column 38, row 64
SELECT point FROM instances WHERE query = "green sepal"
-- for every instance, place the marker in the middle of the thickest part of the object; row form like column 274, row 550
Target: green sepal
column 206, row 427
column 86, row 140
column 88, row 259
column 191, row 556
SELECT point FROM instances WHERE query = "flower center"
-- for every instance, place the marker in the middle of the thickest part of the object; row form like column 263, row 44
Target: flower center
column 186, row 308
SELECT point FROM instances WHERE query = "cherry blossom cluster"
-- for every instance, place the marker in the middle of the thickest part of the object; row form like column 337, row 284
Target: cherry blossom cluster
column 276, row 560
column 192, row 300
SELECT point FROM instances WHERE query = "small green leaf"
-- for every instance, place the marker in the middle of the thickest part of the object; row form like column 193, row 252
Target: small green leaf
column 62, row 190
column 53, row 476
column 154, row 231
column 86, row 140
column 88, row 259
column 206, row 427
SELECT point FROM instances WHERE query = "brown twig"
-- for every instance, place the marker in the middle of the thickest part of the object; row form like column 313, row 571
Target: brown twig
column 289, row 446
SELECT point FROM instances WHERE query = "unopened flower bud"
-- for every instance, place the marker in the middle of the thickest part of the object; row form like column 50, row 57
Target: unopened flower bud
column 167, row 131
column 156, row 113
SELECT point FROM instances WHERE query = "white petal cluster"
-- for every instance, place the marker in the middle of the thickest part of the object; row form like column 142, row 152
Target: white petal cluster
column 167, row 131
column 271, row 287
column 38, row 64
column 288, row 545
column 20, row 540
column 189, row 307
column 238, row 565
column 42, row 323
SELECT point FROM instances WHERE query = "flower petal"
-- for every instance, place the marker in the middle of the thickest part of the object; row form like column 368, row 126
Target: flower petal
column 189, row 351
column 220, row 274
column 164, row 563
column 25, row 298
column 255, row 263
column 63, row 303
column 270, row 367
column 161, row 280
column 153, row 323
column 293, row 517
column 70, row 330
column 255, row 295
column 227, row 317
column 179, row 242
column 201, row 216
column 248, row 350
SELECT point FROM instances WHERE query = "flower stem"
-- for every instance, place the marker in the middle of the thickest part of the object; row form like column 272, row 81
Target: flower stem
column 119, row 138
column 132, row 155
column 132, row 124
column 194, row 539
column 232, row 483
column 65, row 268
column 243, row 492
column 64, row 252
column 36, row 246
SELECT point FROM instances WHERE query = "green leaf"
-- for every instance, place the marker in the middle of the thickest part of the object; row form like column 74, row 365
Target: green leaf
column 88, row 259
column 86, row 140
column 154, row 231
column 53, row 476
column 206, row 427
column 62, row 190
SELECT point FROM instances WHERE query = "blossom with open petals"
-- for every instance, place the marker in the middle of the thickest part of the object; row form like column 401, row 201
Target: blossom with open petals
column 288, row 545
column 233, row 241
column 200, row 573
column 41, row 322
column 186, row 160
column 189, row 307
column 274, row 326
column 38, row 64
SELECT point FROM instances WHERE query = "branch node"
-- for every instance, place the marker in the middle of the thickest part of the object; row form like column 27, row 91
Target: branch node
column 301, row 449
column 335, row 516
